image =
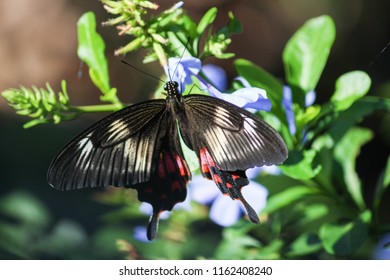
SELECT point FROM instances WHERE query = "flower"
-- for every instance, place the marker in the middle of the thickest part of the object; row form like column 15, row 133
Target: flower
column 140, row 233
column 181, row 71
column 382, row 250
column 287, row 103
column 217, row 75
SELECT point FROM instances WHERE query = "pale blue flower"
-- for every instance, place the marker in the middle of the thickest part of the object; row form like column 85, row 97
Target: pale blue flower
column 287, row 103
column 216, row 75
column 382, row 249
column 181, row 71
column 140, row 233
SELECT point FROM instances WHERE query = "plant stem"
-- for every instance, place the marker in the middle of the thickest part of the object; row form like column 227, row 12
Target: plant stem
column 97, row 108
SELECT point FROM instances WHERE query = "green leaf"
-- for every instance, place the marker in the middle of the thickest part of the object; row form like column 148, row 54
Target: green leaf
column 91, row 49
column 307, row 51
column 343, row 239
column 206, row 20
column 25, row 209
column 386, row 178
column 241, row 241
column 383, row 184
column 345, row 153
column 307, row 243
column 338, row 123
column 179, row 45
column 287, row 197
column 132, row 46
column 301, row 166
column 350, row 87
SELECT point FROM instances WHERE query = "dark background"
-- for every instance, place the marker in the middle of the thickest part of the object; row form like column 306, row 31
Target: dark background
column 38, row 44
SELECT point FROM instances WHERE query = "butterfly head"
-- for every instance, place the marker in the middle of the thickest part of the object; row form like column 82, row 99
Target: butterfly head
column 172, row 88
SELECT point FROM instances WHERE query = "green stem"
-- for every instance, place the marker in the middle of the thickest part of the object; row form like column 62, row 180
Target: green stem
column 97, row 108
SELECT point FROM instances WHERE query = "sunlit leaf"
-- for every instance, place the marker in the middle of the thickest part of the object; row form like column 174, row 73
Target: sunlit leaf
column 343, row 239
column 307, row 51
column 383, row 184
column 301, row 166
column 345, row 153
column 91, row 49
column 307, row 243
column 287, row 197
column 206, row 20
column 350, row 87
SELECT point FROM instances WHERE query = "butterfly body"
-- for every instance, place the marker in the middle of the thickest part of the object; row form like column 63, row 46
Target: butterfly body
column 139, row 147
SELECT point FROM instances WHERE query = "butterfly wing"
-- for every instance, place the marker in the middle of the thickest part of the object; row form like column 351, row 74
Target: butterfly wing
column 235, row 138
column 228, row 140
column 118, row 150
column 137, row 147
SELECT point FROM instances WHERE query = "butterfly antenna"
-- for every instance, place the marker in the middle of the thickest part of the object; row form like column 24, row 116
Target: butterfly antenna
column 143, row 72
column 378, row 55
column 177, row 65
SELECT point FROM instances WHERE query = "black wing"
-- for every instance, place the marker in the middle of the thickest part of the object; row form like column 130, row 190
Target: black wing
column 118, row 150
column 235, row 138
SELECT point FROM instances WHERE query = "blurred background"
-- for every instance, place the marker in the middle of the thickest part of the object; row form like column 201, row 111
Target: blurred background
column 38, row 44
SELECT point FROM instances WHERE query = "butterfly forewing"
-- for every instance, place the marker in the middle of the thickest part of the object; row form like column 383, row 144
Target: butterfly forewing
column 118, row 150
column 235, row 138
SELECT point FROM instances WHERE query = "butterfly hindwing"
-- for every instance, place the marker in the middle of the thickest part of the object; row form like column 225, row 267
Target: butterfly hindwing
column 229, row 182
column 118, row 150
column 235, row 138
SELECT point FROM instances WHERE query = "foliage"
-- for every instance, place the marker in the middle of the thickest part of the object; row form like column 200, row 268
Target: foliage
column 316, row 207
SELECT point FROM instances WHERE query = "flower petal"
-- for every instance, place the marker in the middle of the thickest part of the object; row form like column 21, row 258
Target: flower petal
column 243, row 81
column 310, row 97
column 216, row 75
column 224, row 211
column 140, row 233
column 380, row 251
column 249, row 98
column 181, row 69
column 287, row 103
column 256, row 195
column 147, row 209
column 253, row 172
column 202, row 191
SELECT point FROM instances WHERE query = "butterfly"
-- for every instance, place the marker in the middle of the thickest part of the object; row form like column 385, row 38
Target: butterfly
column 139, row 147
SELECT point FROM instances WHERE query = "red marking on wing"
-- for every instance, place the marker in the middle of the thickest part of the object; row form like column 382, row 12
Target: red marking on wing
column 183, row 168
column 176, row 186
column 169, row 163
column 204, row 165
column 217, row 179
column 209, row 158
